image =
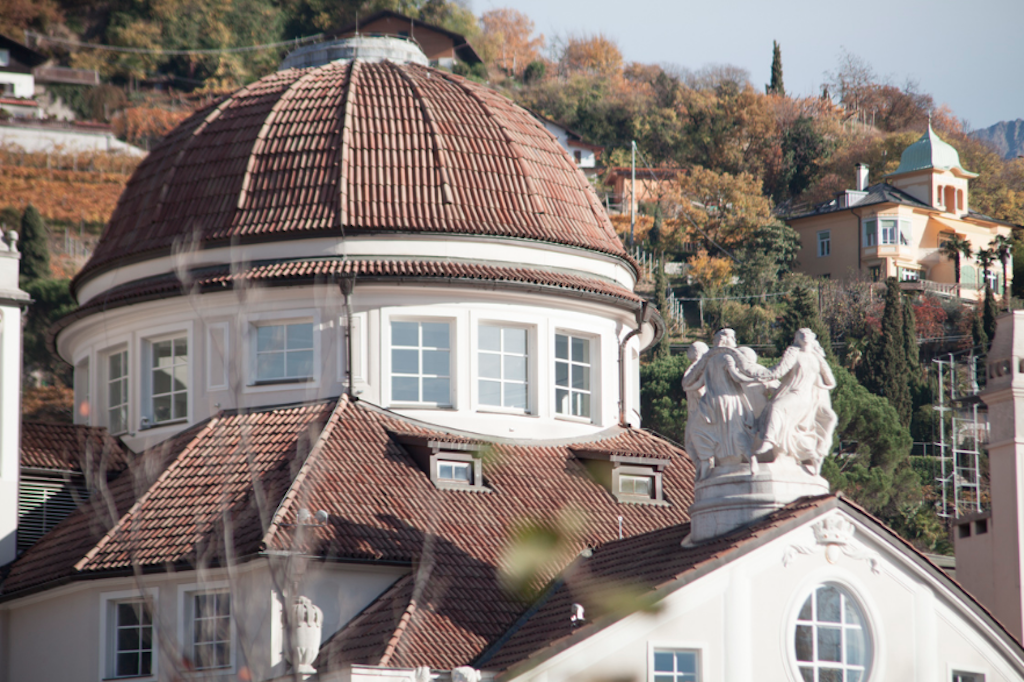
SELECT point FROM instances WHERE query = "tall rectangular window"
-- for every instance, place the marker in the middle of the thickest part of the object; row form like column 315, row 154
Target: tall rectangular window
column 572, row 375
column 132, row 650
column 824, row 243
column 870, row 233
column 676, row 666
column 889, row 230
column 503, row 367
column 117, row 392
column 169, row 380
column 210, row 641
column 284, row 352
column 421, row 362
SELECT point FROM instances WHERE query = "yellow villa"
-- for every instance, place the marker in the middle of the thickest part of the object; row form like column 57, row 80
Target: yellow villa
column 897, row 228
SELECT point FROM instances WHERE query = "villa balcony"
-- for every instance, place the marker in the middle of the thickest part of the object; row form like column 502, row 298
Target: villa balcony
column 968, row 290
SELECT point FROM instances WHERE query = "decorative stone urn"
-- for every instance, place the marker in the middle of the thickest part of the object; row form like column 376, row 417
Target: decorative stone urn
column 307, row 626
column 466, row 674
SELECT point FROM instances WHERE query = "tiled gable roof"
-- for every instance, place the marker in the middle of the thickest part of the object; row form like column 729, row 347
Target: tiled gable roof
column 355, row 148
column 67, row 447
column 880, row 193
column 348, row 459
column 622, row 576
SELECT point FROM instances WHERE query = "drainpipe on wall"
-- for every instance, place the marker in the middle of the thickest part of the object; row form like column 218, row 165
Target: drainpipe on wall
column 347, row 284
column 642, row 317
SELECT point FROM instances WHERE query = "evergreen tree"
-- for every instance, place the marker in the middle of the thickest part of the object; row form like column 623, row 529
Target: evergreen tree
column 35, row 252
column 801, row 312
column 662, row 399
column 910, row 337
column 988, row 313
column 776, row 87
column 978, row 334
column 891, row 355
column 654, row 236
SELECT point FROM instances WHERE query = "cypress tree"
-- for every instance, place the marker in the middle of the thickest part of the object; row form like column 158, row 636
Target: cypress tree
column 35, row 252
column 801, row 312
column 776, row 87
column 988, row 314
column 978, row 334
column 892, row 354
column 910, row 336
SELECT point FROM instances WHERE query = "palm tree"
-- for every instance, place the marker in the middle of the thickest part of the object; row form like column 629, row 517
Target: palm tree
column 985, row 258
column 956, row 247
column 1003, row 247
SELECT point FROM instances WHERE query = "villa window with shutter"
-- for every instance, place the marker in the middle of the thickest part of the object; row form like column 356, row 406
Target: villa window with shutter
column 43, row 502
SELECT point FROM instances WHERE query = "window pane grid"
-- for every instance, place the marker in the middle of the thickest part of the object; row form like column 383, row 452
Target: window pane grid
column 133, row 640
column 503, row 367
column 284, row 351
column 211, row 630
column 117, row 392
column 421, row 362
column 572, row 375
column 169, row 375
column 830, row 642
column 676, row 666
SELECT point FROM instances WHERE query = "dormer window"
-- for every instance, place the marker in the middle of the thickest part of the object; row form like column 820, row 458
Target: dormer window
column 628, row 476
column 449, row 471
column 451, row 464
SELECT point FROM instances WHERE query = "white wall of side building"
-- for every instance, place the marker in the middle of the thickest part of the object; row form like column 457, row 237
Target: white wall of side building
column 741, row 619
column 74, row 615
column 33, row 139
column 12, row 298
column 22, row 84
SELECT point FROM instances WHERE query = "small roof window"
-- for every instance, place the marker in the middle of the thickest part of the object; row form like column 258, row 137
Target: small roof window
column 629, row 477
column 451, row 465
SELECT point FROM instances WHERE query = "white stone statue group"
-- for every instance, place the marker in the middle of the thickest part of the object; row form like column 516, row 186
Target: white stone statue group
column 741, row 412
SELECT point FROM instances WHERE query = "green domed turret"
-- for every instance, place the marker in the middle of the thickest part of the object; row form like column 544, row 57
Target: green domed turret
column 931, row 152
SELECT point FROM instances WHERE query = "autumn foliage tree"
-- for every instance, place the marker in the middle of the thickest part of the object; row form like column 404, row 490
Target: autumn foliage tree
column 595, row 54
column 506, row 40
column 720, row 209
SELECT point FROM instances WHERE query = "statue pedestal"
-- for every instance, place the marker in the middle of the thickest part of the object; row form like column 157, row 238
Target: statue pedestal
column 730, row 497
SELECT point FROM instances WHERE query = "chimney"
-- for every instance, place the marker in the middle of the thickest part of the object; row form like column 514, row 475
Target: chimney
column 862, row 177
column 12, row 300
column 989, row 561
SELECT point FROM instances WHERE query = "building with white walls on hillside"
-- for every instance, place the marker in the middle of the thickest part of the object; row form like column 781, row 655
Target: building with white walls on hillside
column 375, row 348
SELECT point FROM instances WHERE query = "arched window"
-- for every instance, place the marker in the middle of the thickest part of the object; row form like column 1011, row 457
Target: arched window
column 938, row 196
column 959, row 200
column 831, row 640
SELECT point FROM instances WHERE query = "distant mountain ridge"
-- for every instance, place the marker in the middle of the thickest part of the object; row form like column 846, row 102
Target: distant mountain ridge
column 1006, row 136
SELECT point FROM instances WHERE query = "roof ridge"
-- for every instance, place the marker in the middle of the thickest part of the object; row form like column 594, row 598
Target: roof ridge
column 440, row 151
column 396, row 636
column 518, row 156
column 345, row 144
column 91, row 554
column 300, row 476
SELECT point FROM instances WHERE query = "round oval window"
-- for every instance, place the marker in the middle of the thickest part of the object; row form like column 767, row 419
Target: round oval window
column 831, row 638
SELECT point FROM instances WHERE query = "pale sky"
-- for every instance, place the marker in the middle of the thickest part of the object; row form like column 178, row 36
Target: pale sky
column 969, row 55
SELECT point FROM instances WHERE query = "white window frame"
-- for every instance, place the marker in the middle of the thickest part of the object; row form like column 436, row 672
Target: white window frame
column 824, row 243
column 530, row 364
column 142, row 366
column 108, row 634
column 670, row 645
column 388, row 373
column 186, row 620
column 593, row 375
column 952, row 670
column 126, row 381
column 872, row 636
column 277, row 320
column 885, row 238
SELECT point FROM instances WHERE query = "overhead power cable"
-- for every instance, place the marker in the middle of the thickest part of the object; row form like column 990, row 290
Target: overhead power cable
column 39, row 37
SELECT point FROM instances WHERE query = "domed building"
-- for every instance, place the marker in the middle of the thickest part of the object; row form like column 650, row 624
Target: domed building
column 373, row 348
column 368, row 227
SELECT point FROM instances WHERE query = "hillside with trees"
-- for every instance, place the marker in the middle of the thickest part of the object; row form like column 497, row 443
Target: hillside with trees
column 748, row 154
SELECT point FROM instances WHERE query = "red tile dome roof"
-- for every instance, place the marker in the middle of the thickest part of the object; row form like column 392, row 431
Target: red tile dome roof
column 354, row 148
